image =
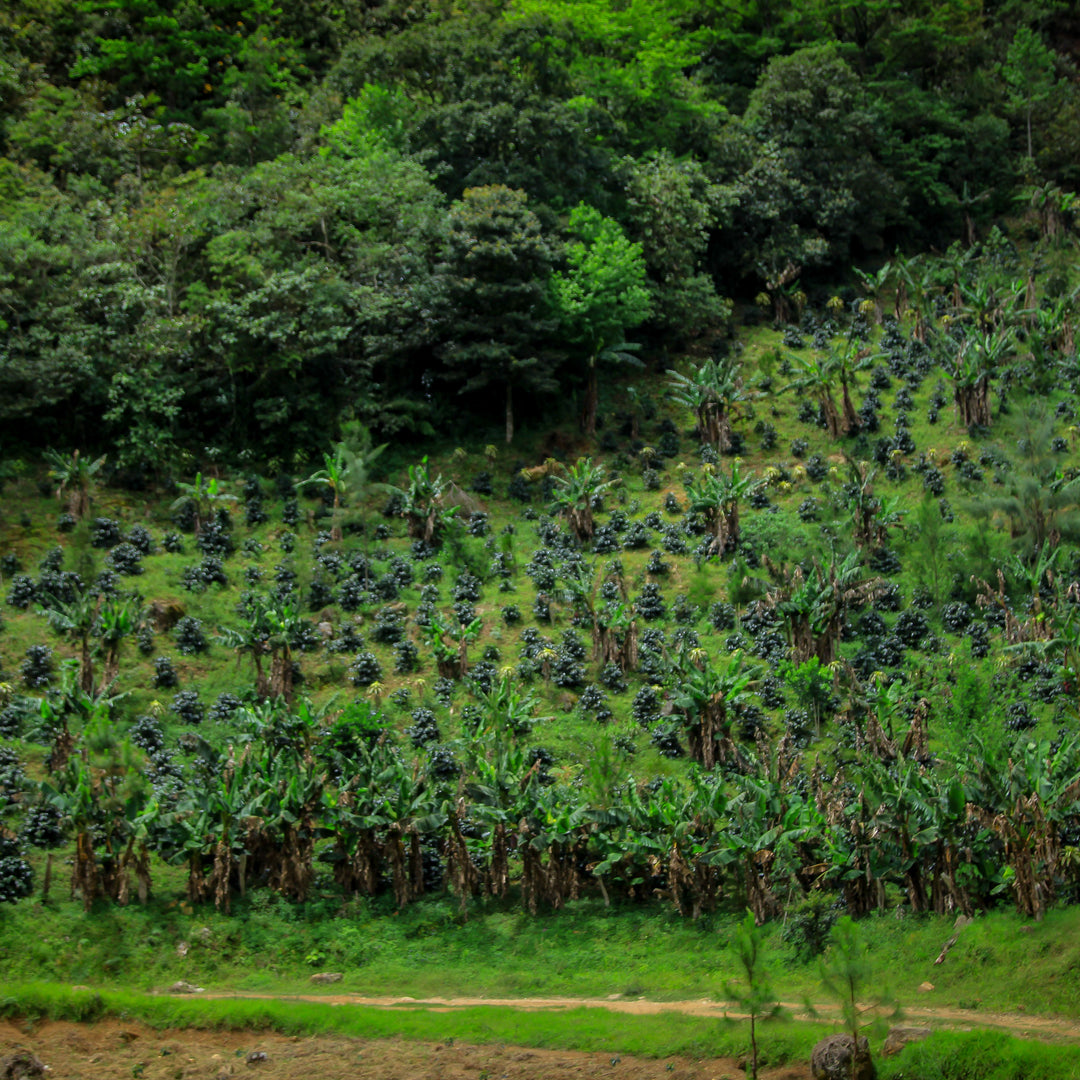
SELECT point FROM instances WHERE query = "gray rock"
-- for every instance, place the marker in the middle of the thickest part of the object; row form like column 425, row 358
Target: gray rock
column 326, row 977
column 183, row 987
column 21, row 1064
column 899, row 1037
column 831, row 1059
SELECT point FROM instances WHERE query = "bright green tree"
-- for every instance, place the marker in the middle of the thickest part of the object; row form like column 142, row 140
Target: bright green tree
column 675, row 209
column 602, row 294
column 1029, row 73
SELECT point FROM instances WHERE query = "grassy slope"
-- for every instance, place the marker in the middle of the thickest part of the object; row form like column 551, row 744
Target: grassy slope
column 427, row 950
column 1000, row 963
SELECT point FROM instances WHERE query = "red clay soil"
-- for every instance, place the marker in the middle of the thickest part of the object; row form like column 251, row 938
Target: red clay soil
column 116, row 1050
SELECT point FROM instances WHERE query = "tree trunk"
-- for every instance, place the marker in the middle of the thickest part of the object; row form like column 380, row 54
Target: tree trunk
column 335, row 529
column 112, row 668
column 832, row 418
column 592, row 393
column 509, row 413
column 851, row 417
column 973, row 403
column 281, row 674
column 86, row 669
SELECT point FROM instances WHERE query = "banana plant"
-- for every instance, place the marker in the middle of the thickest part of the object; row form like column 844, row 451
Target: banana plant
column 116, row 620
column 204, row 496
column 75, row 476
column 1025, row 802
column 76, row 620
column 573, row 494
column 714, row 392
column 982, row 353
column 269, row 628
column 424, row 504
column 212, row 823
column 716, row 496
column 357, row 816
column 452, row 660
column 706, row 694
column 553, row 841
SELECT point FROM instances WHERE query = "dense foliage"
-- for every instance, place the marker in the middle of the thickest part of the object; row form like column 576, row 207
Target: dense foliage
column 224, row 227
column 784, row 607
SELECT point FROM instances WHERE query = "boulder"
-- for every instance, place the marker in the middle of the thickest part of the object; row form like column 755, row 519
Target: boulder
column 831, row 1059
column 326, row 977
column 183, row 987
column 165, row 614
column 899, row 1037
column 21, row 1064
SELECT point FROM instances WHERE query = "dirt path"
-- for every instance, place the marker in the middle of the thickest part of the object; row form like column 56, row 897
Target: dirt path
column 116, row 1050
column 1045, row 1028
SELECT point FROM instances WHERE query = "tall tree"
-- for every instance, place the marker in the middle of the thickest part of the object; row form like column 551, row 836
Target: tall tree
column 600, row 296
column 1029, row 73
column 495, row 272
column 675, row 209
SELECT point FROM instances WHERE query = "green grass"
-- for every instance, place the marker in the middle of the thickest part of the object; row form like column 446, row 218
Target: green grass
column 980, row 1055
column 943, row 1056
column 586, row 951
column 654, row 1035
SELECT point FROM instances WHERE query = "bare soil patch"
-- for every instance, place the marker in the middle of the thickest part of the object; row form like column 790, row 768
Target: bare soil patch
column 115, row 1050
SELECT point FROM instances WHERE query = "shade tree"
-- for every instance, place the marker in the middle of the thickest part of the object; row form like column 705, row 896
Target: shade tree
column 496, row 261
column 598, row 297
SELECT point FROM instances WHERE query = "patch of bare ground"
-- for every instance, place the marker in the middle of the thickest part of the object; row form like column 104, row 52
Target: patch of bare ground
column 115, row 1050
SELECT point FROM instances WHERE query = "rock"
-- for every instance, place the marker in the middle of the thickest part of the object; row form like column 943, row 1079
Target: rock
column 925, row 987
column 183, row 987
column 182, row 949
column 165, row 614
column 831, row 1059
column 21, row 1064
column 257, row 1057
column 326, row 977
column 899, row 1037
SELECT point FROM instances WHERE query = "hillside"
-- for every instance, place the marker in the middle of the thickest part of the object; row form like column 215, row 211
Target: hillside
column 489, row 495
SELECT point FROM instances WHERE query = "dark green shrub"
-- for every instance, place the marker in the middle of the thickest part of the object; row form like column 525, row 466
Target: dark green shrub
column 809, row 922
column 37, row 669
column 187, row 706
column 164, row 673
column 189, row 636
column 365, row 669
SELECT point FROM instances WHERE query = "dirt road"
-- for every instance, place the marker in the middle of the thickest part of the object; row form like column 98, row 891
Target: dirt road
column 1045, row 1028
